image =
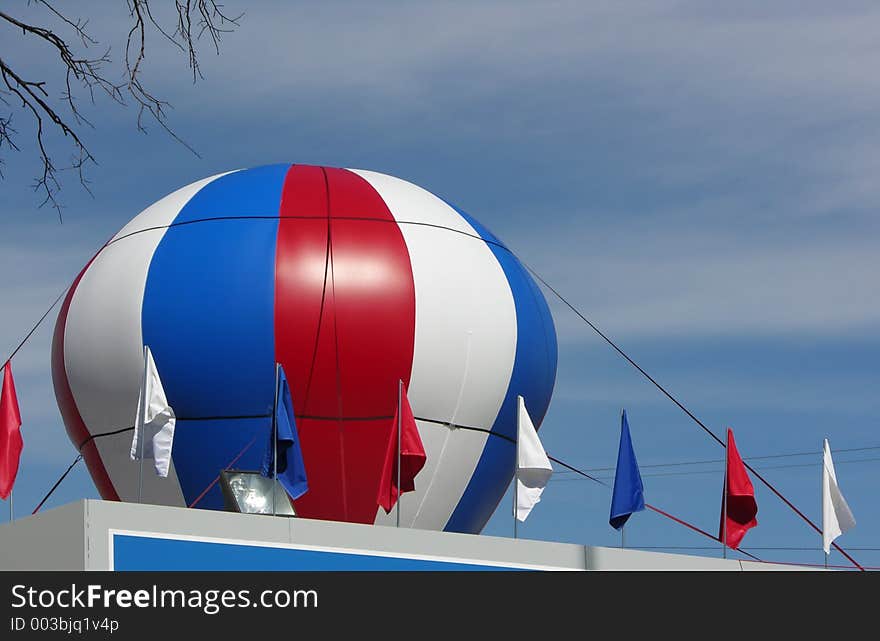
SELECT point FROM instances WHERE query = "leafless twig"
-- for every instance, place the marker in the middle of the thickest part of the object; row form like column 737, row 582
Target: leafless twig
column 60, row 110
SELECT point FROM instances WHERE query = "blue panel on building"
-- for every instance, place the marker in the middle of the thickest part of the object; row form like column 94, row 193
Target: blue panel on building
column 131, row 552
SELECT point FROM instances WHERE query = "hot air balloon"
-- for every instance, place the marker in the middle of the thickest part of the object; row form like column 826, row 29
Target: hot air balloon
column 353, row 280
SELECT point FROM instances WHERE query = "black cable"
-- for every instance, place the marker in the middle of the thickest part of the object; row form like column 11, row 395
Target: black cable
column 122, row 430
column 222, row 418
column 747, row 458
column 340, row 425
column 509, row 440
column 57, row 483
column 279, row 217
column 750, row 458
column 323, row 300
column 697, row 472
column 34, row 328
column 92, row 437
column 209, row 219
column 622, row 353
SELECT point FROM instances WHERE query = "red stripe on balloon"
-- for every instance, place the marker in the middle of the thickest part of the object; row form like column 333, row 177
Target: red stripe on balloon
column 344, row 332
column 73, row 422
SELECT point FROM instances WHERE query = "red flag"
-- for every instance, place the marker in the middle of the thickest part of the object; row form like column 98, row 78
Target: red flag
column 10, row 433
column 741, row 505
column 412, row 457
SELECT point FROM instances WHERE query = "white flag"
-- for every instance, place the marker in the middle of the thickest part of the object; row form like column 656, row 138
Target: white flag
column 836, row 515
column 533, row 468
column 154, row 423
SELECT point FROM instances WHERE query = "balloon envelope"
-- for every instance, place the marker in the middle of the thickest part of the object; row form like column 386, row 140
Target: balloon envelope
column 353, row 280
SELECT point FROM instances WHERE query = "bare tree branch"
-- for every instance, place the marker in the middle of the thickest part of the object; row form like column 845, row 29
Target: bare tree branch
column 89, row 75
column 79, row 26
column 6, row 134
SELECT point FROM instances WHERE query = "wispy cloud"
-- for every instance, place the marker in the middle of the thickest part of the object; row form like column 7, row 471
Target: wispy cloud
column 652, row 281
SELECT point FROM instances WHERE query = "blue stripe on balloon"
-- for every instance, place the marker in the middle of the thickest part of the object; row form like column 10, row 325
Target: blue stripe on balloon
column 208, row 317
column 250, row 192
column 533, row 377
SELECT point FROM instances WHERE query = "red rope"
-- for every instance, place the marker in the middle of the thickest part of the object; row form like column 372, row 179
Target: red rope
column 696, row 529
column 801, row 514
column 678, row 520
column 214, row 482
column 821, row 565
column 647, row 505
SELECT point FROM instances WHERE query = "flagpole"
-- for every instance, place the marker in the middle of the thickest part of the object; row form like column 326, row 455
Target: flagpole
column 399, row 430
column 143, row 411
column 724, row 498
column 822, row 499
column 11, row 514
column 275, row 439
column 622, row 527
column 515, row 467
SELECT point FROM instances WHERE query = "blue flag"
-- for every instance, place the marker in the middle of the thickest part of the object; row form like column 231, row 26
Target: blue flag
column 628, row 494
column 290, row 464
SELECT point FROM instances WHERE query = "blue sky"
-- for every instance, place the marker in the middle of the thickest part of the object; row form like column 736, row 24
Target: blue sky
column 699, row 180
